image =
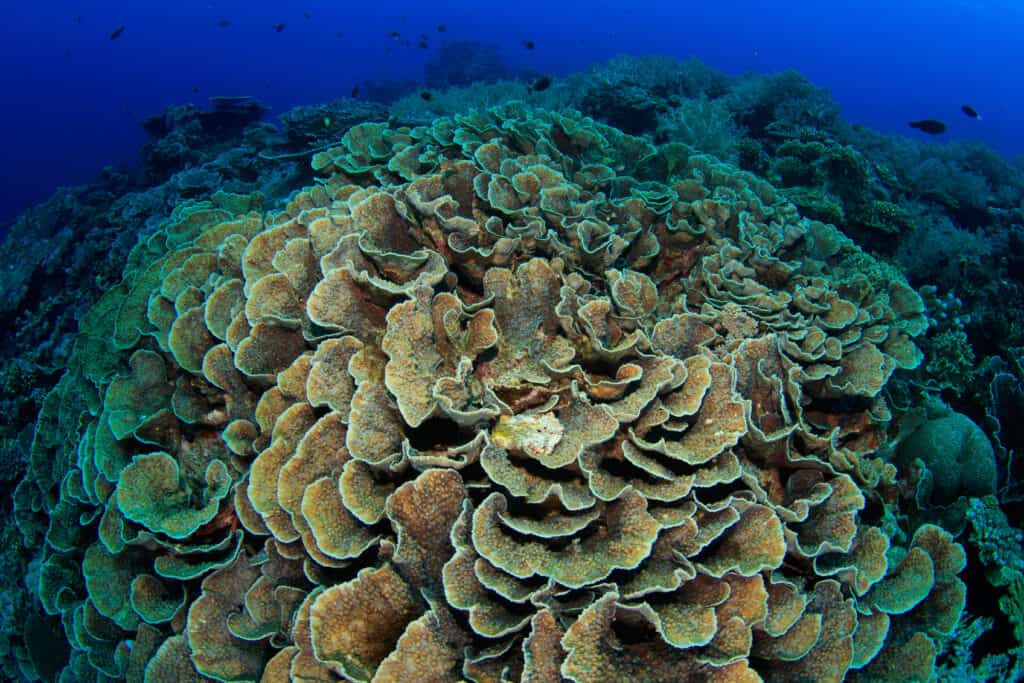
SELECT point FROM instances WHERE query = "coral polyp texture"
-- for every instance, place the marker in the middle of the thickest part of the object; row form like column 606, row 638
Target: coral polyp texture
column 513, row 396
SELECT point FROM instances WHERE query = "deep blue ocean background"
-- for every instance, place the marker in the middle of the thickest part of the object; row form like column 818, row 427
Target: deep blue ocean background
column 74, row 98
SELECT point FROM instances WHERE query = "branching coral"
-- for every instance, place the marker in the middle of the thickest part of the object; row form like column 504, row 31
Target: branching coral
column 511, row 396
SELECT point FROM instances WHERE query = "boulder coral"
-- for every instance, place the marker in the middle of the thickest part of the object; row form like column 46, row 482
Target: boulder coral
column 955, row 459
column 512, row 396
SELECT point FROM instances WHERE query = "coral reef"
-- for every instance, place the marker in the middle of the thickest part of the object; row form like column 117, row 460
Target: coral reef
column 314, row 125
column 705, row 125
column 464, row 62
column 512, row 395
column 633, row 93
column 947, row 215
column 1004, row 416
column 183, row 136
column 1001, row 554
column 63, row 254
column 411, row 110
column 950, row 218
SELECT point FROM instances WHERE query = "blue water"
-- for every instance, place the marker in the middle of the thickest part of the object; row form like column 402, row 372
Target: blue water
column 73, row 99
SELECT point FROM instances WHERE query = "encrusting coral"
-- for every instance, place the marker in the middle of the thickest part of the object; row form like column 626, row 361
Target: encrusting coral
column 513, row 396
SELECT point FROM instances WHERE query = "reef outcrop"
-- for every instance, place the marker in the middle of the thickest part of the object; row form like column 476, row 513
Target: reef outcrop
column 513, row 396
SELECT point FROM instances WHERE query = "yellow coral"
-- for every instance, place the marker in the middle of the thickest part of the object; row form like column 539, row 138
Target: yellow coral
column 501, row 397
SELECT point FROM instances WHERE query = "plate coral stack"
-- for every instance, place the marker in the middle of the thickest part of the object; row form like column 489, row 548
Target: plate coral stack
column 512, row 396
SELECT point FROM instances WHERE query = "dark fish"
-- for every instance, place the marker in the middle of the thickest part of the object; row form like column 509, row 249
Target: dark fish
column 541, row 84
column 970, row 111
column 355, row 91
column 223, row 23
column 78, row 19
column 441, row 28
column 529, row 44
column 116, row 33
column 195, row 88
column 395, row 35
column 426, row 96
column 339, row 34
column 930, row 126
column 423, row 44
column 278, row 27
column 307, row 15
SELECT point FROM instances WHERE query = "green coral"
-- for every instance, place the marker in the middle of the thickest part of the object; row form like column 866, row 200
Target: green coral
column 1012, row 605
column 882, row 216
column 825, row 163
column 961, row 645
column 1000, row 545
column 1000, row 548
column 817, row 203
column 959, row 662
column 153, row 492
column 957, row 457
column 951, row 362
column 792, row 170
column 702, row 124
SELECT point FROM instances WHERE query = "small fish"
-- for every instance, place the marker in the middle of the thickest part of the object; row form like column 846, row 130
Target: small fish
column 355, row 91
column 78, row 19
column 970, row 111
column 529, row 44
column 327, row 122
column 195, row 88
column 423, row 45
column 541, row 84
column 278, row 27
column 426, row 96
column 223, row 23
column 395, row 35
column 339, row 34
column 116, row 33
column 307, row 15
column 441, row 28
column 930, row 126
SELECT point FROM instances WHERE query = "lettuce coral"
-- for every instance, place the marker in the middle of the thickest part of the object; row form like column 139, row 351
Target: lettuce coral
column 510, row 396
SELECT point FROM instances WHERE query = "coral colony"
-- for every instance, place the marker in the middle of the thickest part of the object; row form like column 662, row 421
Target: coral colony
column 512, row 395
column 691, row 381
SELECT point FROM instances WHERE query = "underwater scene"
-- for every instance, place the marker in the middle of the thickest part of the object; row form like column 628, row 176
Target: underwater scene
column 538, row 342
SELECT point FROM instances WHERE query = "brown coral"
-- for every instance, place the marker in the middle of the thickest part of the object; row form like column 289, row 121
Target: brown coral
column 510, row 396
